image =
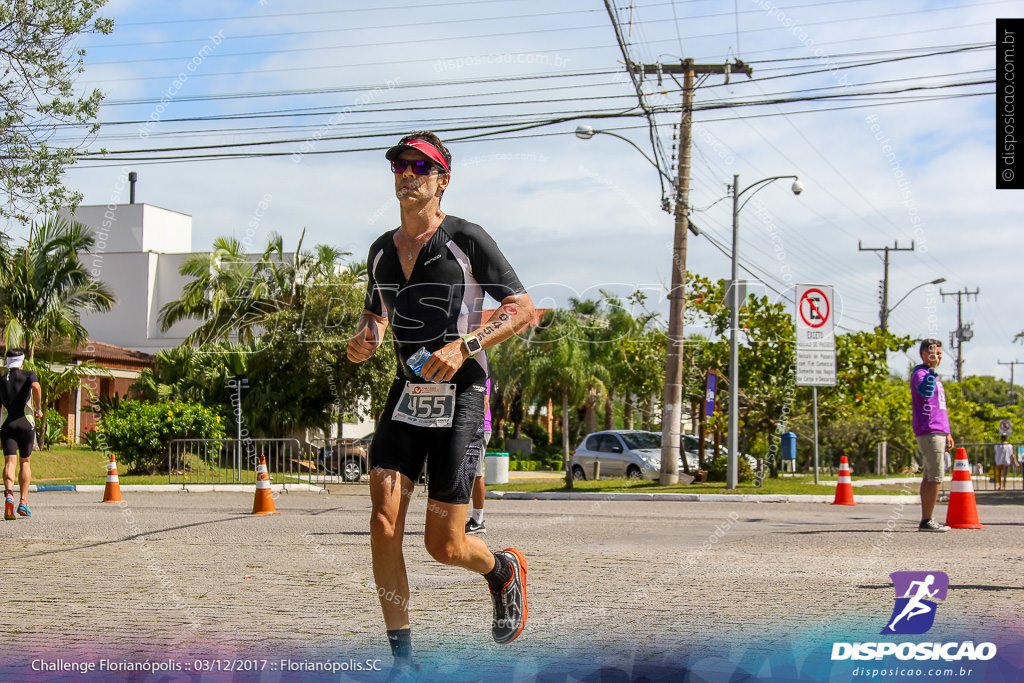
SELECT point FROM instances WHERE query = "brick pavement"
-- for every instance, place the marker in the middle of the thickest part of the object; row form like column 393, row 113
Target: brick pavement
column 187, row 575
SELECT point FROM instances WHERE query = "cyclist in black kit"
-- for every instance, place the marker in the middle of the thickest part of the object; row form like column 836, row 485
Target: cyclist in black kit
column 427, row 280
column 17, row 433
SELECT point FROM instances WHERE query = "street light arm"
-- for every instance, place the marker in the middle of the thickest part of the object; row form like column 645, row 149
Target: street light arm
column 904, row 298
column 760, row 185
column 586, row 132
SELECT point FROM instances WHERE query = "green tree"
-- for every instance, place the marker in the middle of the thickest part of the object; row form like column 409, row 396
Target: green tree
column 38, row 40
column 217, row 294
column 44, row 287
column 559, row 369
column 594, row 335
column 58, row 375
column 768, row 394
column 298, row 372
column 507, row 364
column 233, row 294
column 301, row 377
column 634, row 354
column 988, row 389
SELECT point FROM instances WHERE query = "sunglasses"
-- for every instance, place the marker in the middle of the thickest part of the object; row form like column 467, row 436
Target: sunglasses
column 419, row 166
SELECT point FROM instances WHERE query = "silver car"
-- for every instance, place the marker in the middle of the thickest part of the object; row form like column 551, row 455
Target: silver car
column 625, row 454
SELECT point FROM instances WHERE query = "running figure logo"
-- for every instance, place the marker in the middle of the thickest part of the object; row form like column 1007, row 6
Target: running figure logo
column 914, row 612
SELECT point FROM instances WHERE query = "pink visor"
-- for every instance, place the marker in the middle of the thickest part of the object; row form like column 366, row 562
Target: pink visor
column 420, row 146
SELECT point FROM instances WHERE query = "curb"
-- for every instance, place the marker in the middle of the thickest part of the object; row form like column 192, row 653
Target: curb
column 165, row 488
column 701, row 497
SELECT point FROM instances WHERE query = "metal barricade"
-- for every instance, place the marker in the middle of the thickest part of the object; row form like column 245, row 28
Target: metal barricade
column 232, row 461
column 336, row 460
column 982, row 457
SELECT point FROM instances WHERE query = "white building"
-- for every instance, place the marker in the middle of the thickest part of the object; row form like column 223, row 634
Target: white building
column 138, row 252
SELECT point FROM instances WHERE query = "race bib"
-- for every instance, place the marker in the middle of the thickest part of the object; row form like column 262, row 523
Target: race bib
column 426, row 405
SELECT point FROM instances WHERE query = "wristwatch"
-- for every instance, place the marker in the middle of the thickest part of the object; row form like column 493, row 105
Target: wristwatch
column 472, row 344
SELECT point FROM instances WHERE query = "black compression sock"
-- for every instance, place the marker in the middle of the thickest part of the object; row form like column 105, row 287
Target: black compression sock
column 401, row 644
column 502, row 572
column 8, row 493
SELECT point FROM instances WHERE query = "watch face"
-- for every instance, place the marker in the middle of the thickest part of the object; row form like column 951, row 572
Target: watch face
column 473, row 344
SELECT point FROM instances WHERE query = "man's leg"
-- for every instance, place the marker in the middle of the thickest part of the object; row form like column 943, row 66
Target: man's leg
column 9, row 465
column 9, row 461
column 446, row 540
column 24, row 481
column 929, row 497
column 389, row 497
column 505, row 572
column 478, row 493
column 475, row 523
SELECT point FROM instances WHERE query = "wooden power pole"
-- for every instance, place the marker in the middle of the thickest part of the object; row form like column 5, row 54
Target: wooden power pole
column 883, row 317
column 673, row 397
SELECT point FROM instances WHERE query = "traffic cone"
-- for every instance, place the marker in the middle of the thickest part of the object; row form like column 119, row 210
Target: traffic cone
column 112, row 491
column 844, row 488
column 962, row 511
column 263, row 503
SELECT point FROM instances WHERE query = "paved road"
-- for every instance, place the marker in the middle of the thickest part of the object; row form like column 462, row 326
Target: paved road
column 184, row 576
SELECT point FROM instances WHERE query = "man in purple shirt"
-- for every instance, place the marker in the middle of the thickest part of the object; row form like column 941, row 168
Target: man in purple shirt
column 931, row 427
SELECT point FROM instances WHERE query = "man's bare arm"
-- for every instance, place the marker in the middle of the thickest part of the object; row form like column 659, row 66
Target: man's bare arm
column 514, row 313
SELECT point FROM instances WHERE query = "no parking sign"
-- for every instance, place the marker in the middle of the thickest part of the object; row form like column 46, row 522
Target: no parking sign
column 815, row 336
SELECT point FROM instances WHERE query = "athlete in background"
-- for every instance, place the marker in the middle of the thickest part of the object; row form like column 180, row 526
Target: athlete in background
column 475, row 523
column 17, row 432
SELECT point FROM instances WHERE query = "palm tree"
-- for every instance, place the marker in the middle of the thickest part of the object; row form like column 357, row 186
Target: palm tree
column 219, row 285
column 44, row 287
column 233, row 294
column 561, row 368
column 507, row 364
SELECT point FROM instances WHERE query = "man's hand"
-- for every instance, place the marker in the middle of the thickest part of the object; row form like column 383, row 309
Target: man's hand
column 362, row 345
column 445, row 362
column 949, row 442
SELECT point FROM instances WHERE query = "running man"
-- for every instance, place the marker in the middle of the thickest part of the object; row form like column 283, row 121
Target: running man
column 427, row 280
column 931, row 427
column 17, row 390
column 914, row 606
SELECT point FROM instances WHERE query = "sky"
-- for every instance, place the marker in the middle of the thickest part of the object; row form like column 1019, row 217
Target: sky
column 332, row 88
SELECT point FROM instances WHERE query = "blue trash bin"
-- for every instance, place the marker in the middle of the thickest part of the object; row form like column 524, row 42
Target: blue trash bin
column 789, row 447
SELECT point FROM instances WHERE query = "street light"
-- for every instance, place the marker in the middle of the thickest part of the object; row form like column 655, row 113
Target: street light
column 673, row 396
column 585, row 132
column 731, row 472
column 887, row 311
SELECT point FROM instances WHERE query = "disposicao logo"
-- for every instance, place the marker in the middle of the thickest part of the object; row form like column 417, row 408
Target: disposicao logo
column 914, row 612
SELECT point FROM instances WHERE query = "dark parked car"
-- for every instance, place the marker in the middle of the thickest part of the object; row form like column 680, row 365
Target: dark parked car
column 626, row 453
column 346, row 458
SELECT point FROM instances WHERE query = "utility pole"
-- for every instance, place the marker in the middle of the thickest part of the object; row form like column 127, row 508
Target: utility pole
column 883, row 315
column 1012, row 363
column 963, row 333
column 673, row 397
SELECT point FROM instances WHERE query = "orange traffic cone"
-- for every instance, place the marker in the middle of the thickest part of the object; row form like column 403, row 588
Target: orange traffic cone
column 112, row 491
column 844, row 488
column 263, row 503
column 962, row 511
